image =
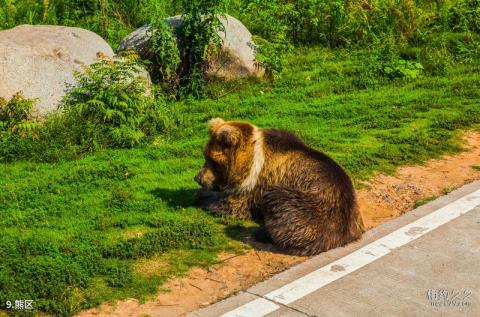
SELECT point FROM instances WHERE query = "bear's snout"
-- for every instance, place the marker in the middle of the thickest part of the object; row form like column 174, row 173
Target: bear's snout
column 205, row 178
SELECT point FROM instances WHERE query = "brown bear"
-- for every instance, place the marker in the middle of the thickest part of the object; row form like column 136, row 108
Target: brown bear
column 305, row 199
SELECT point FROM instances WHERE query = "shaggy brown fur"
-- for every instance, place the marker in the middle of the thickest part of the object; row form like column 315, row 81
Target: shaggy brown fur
column 305, row 199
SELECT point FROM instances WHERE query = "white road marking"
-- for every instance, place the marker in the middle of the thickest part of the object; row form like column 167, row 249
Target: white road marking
column 356, row 260
column 257, row 307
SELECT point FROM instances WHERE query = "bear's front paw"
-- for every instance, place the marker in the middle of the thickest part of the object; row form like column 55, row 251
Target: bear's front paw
column 233, row 205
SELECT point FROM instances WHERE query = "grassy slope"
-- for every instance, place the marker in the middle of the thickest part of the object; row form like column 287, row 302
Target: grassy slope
column 75, row 233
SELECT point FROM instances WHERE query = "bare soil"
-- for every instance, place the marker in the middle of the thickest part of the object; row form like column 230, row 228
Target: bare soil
column 386, row 197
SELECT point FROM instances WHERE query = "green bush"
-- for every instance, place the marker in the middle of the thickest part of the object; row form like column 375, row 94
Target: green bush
column 306, row 22
column 15, row 115
column 461, row 16
column 109, row 105
column 358, row 23
column 199, row 38
column 113, row 20
column 271, row 55
column 391, row 65
column 264, row 18
column 179, row 60
column 333, row 23
column 165, row 54
column 18, row 130
column 435, row 61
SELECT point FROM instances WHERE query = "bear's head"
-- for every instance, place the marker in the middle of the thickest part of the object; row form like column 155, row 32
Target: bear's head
column 231, row 154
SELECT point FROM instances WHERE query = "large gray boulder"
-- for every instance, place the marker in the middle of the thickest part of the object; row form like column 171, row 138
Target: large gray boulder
column 236, row 59
column 40, row 61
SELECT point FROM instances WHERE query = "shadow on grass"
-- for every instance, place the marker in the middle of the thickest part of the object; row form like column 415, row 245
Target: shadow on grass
column 235, row 229
column 255, row 236
column 176, row 198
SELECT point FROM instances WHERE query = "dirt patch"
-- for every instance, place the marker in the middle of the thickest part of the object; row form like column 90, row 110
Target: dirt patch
column 386, row 197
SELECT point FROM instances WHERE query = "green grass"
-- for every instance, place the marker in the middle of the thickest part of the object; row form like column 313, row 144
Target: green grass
column 118, row 223
column 424, row 201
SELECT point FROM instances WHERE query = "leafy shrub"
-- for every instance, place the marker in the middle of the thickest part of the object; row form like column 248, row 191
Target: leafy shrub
column 402, row 69
column 113, row 20
column 391, row 65
column 333, row 23
column 109, row 105
column 199, row 38
column 462, row 16
column 165, row 55
column 18, row 131
column 465, row 47
column 271, row 55
column 15, row 115
column 436, row 61
column 180, row 58
column 264, row 18
column 358, row 23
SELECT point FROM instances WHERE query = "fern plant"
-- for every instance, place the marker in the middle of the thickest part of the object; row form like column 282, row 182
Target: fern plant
column 109, row 104
column 15, row 115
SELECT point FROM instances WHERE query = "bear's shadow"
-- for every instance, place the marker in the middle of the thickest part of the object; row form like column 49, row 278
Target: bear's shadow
column 256, row 237
column 175, row 198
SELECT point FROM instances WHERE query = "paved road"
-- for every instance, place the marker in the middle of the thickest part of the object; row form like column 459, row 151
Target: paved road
column 424, row 263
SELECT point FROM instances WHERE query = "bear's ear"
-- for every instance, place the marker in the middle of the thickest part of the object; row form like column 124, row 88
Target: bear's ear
column 214, row 124
column 228, row 136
